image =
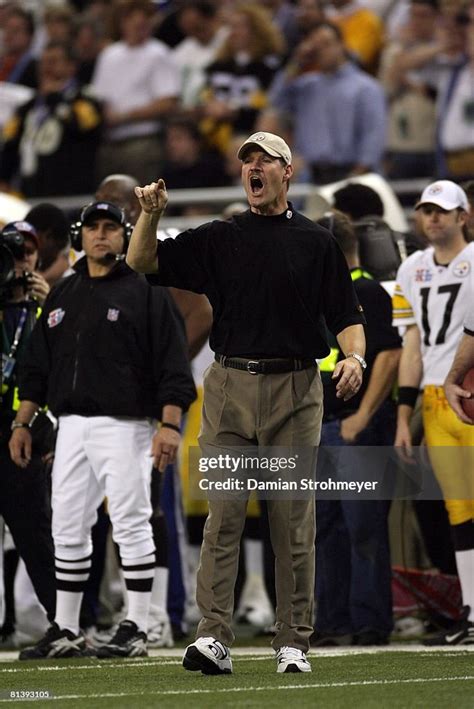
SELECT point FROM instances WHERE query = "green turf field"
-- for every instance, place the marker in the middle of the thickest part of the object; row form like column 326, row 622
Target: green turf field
column 382, row 679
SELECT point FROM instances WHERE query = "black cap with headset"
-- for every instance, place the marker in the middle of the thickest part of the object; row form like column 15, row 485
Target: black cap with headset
column 104, row 210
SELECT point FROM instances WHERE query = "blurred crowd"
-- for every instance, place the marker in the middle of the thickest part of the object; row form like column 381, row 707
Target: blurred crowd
column 168, row 88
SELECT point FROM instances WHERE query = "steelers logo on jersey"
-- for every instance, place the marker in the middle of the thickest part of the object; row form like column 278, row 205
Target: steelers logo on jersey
column 462, row 269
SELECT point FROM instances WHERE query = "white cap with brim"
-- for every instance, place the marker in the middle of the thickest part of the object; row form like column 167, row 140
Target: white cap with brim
column 445, row 194
column 269, row 143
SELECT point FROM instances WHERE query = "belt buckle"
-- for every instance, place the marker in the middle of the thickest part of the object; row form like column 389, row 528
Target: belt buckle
column 250, row 364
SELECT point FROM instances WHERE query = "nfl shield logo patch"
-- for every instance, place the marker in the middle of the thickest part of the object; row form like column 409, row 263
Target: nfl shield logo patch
column 113, row 314
column 55, row 317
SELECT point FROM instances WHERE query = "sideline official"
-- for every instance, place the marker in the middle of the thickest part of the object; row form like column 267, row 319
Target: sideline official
column 273, row 278
column 108, row 356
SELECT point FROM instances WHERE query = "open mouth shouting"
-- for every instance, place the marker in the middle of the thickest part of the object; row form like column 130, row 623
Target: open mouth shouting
column 256, row 185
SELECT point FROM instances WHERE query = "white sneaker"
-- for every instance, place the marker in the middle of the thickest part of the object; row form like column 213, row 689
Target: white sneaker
column 159, row 630
column 208, row 655
column 290, row 659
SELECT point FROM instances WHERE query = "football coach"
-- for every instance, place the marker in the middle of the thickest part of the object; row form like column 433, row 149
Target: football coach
column 275, row 281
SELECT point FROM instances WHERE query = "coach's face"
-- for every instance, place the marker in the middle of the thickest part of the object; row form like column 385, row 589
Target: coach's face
column 101, row 236
column 265, row 180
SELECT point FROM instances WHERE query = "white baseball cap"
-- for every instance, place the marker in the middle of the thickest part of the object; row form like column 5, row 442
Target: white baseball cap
column 445, row 194
column 269, row 143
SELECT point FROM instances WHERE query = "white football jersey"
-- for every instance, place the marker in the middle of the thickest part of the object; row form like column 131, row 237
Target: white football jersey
column 438, row 300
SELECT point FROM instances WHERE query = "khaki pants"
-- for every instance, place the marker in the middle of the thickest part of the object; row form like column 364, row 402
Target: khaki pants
column 276, row 409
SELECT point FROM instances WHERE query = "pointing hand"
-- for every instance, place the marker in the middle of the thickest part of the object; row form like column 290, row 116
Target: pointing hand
column 153, row 198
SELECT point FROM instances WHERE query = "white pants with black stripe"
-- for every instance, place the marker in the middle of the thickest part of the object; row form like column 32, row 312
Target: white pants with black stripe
column 98, row 456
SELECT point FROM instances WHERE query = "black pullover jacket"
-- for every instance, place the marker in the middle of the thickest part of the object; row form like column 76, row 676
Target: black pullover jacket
column 108, row 346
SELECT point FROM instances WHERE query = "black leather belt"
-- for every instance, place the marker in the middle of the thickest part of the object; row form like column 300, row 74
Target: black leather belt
column 265, row 366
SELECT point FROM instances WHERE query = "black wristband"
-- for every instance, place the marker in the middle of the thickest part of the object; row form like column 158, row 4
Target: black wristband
column 173, row 426
column 407, row 396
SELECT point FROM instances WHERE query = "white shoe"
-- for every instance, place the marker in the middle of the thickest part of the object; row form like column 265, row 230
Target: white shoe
column 291, row 659
column 159, row 630
column 208, row 655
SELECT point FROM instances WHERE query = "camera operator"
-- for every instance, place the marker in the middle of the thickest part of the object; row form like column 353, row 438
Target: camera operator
column 24, row 494
column 19, row 242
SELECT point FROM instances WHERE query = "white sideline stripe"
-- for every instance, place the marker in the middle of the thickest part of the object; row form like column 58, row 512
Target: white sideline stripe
column 265, row 688
column 127, row 663
column 251, row 654
column 130, row 663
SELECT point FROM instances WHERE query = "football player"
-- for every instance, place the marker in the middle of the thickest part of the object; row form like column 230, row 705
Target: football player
column 432, row 296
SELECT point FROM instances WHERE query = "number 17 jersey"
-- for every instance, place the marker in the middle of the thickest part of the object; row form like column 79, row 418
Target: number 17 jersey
column 437, row 299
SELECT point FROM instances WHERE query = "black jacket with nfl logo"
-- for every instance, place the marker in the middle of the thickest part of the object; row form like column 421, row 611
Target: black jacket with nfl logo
column 108, row 346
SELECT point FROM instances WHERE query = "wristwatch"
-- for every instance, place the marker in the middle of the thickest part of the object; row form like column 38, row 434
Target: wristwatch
column 18, row 424
column 360, row 359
